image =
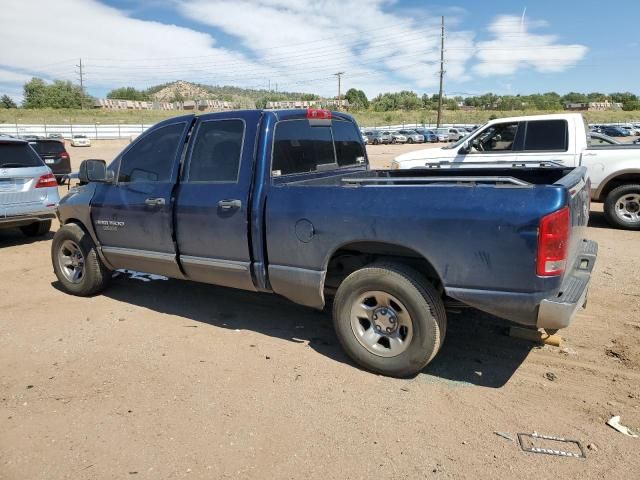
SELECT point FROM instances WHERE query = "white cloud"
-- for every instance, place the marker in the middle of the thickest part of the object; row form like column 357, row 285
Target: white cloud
column 295, row 44
column 515, row 47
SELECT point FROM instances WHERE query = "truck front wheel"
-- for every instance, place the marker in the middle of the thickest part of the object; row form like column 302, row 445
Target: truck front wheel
column 622, row 207
column 76, row 262
column 389, row 319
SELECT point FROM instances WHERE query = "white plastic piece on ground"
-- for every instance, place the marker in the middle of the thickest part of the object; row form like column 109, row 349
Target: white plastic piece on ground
column 614, row 422
column 145, row 277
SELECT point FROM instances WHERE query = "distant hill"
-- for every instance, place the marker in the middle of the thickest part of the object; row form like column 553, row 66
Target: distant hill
column 248, row 98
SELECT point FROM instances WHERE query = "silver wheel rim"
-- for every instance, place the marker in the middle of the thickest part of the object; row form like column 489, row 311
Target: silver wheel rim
column 71, row 261
column 381, row 323
column 628, row 208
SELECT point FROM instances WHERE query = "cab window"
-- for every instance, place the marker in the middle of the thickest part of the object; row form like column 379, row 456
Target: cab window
column 499, row 137
column 151, row 159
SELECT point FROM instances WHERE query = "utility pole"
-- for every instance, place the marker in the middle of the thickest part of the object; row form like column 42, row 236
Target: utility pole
column 339, row 75
column 81, row 85
column 441, row 75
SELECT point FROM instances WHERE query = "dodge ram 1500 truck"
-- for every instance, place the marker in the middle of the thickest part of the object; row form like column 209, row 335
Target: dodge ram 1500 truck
column 614, row 170
column 285, row 202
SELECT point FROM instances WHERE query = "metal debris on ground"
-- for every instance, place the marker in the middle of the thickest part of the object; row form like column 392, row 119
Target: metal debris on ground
column 528, row 443
column 551, row 376
column 614, row 422
column 505, row 435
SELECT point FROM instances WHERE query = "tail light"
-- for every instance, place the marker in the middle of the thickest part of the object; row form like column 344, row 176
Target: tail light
column 64, row 155
column 48, row 180
column 553, row 243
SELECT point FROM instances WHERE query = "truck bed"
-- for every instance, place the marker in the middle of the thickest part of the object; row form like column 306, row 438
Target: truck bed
column 513, row 176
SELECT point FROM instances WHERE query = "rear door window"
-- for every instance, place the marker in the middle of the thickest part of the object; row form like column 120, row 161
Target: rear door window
column 298, row 147
column 546, row 135
column 216, row 152
column 18, row 155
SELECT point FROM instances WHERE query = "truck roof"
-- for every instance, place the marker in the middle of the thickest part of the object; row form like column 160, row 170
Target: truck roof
column 545, row 116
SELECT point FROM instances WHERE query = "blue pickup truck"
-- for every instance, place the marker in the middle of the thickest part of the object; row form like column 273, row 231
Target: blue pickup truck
column 285, row 202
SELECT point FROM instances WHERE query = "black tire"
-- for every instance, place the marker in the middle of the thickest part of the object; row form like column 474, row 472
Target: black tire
column 613, row 198
column 96, row 276
column 422, row 302
column 37, row 229
column 375, row 141
column 410, row 140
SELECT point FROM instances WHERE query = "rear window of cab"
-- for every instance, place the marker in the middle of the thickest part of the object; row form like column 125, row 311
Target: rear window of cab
column 299, row 147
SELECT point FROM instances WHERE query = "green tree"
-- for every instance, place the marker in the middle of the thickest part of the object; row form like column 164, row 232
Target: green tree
column 624, row 98
column 59, row 94
column 575, row 97
column 35, row 94
column 128, row 93
column 357, row 99
column 7, row 102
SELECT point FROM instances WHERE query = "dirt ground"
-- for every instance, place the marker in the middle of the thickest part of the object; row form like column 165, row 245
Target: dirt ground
column 166, row 379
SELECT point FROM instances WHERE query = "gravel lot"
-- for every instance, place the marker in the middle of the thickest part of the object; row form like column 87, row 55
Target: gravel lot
column 167, row 379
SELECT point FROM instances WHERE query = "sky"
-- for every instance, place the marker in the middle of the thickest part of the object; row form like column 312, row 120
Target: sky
column 500, row 46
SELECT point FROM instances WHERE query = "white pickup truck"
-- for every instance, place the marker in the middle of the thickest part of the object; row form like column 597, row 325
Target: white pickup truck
column 564, row 139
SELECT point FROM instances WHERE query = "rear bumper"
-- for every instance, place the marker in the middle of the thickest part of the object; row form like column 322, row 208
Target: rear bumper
column 21, row 220
column 559, row 310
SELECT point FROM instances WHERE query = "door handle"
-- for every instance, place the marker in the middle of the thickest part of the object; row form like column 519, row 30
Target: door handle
column 229, row 204
column 154, row 202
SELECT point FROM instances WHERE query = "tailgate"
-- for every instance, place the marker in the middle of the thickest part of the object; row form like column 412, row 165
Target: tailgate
column 579, row 187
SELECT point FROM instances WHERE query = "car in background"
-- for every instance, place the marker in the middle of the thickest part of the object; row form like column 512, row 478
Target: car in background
column 365, row 139
column 80, row 141
column 599, row 140
column 28, row 190
column 397, row 137
column 632, row 130
column 377, row 137
column 429, row 135
column 443, row 134
column 412, row 136
column 54, row 155
column 614, row 131
column 456, row 134
column 56, row 136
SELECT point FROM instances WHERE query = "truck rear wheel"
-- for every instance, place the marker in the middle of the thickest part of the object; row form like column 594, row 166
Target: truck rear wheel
column 622, row 207
column 389, row 319
column 76, row 262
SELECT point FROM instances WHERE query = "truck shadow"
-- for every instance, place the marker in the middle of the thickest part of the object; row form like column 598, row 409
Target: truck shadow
column 597, row 220
column 476, row 351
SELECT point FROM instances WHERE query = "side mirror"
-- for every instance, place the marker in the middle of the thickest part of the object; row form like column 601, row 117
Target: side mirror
column 465, row 148
column 93, row 171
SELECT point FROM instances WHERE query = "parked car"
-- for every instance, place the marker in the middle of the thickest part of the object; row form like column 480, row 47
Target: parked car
column 456, row 134
column 284, row 218
column 429, row 135
column 54, row 155
column 631, row 130
column 614, row 170
column 377, row 137
column 28, row 189
column 80, row 141
column 397, row 137
column 614, row 131
column 56, row 136
column 412, row 136
column 365, row 139
column 443, row 134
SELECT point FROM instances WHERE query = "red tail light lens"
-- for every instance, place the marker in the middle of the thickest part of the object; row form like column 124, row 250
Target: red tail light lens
column 48, row 180
column 553, row 243
column 318, row 114
column 64, row 155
